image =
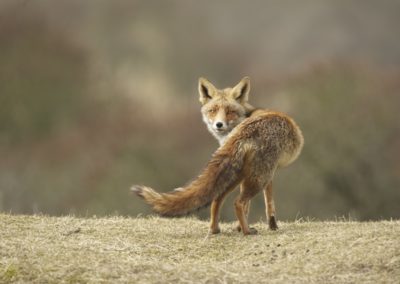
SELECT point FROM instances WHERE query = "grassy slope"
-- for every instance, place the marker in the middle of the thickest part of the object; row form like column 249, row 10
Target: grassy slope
column 68, row 249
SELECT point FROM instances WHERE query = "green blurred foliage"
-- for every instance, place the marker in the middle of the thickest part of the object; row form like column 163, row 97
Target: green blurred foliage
column 42, row 79
column 350, row 159
column 91, row 105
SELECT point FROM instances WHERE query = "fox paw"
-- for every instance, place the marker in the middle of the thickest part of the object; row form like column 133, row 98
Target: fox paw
column 252, row 231
column 215, row 230
column 272, row 223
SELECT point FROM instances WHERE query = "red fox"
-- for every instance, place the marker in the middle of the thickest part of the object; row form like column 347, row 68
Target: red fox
column 254, row 143
column 222, row 110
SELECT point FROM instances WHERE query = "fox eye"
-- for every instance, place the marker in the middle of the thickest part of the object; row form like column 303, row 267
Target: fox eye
column 230, row 112
column 213, row 110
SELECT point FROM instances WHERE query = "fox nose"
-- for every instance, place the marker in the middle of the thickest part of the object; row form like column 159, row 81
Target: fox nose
column 219, row 124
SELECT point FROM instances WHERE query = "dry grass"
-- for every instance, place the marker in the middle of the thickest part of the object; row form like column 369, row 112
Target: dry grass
column 155, row 250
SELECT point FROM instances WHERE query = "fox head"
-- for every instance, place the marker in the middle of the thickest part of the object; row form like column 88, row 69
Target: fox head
column 224, row 109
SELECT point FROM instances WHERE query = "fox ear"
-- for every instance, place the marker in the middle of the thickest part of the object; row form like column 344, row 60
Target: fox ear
column 206, row 90
column 241, row 91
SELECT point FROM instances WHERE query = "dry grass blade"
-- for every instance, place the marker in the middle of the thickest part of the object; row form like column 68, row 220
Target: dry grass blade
column 153, row 250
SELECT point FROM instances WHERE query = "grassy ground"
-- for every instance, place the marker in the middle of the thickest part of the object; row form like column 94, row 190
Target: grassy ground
column 155, row 250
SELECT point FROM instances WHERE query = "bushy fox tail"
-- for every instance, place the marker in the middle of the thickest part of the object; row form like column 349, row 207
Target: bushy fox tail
column 222, row 173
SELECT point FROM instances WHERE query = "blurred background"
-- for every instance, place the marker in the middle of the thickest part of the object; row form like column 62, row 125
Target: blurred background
column 98, row 95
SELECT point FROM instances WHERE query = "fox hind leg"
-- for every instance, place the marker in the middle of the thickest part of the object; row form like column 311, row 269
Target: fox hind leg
column 249, row 190
column 246, row 209
column 270, row 212
column 215, row 208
